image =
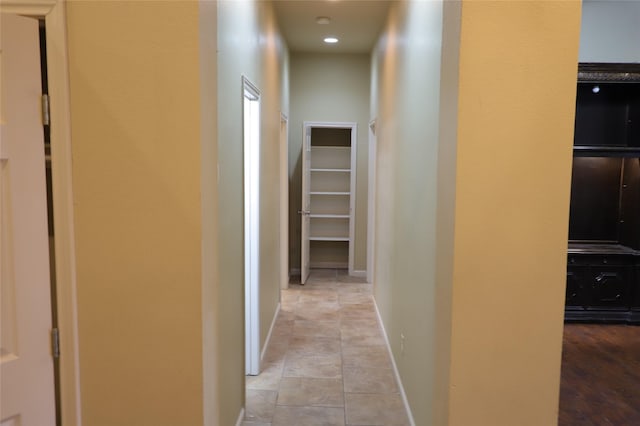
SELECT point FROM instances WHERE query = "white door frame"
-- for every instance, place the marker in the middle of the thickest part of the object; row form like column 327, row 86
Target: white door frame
column 353, row 126
column 284, row 202
column 251, row 149
column 53, row 13
column 371, row 199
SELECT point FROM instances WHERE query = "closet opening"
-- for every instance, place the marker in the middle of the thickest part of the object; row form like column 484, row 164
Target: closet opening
column 328, row 196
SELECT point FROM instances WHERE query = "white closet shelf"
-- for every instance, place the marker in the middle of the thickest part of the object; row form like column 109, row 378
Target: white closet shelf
column 330, row 216
column 332, row 170
column 329, row 193
column 329, row 238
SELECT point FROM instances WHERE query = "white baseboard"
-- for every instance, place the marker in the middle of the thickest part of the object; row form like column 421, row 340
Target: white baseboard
column 329, row 265
column 240, row 418
column 395, row 368
column 268, row 339
column 359, row 274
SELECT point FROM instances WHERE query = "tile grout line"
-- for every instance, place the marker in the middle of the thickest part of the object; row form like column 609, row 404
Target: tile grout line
column 332, row 286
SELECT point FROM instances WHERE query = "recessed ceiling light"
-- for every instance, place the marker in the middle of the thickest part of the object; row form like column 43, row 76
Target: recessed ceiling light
column 323, row 20
column 330, row 40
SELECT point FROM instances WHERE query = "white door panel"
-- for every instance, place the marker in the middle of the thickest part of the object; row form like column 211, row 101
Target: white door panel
column 26, row 365
column 306, row 206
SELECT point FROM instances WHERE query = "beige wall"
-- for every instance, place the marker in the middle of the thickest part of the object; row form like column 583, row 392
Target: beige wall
column 249, row 44
column 329, row 87
column 135, row 97
column 407, row 68
column 445, row 217
column 475, row 281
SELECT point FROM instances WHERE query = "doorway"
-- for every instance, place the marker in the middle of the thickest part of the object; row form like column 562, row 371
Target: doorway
column 251, row 146
column 328, row 196
column 53, row 14
column 602, row 302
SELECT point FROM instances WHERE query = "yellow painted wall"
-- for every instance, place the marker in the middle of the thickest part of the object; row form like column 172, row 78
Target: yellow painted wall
column 135, row 108
column 445, row 214
column 517, row 82
column 213, row 387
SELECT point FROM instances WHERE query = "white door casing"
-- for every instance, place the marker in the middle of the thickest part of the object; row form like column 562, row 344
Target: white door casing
column 371, row 201
column 26, row 364
column 284, row 202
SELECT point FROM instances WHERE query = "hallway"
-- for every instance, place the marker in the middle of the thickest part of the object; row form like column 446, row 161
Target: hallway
column 327, row 362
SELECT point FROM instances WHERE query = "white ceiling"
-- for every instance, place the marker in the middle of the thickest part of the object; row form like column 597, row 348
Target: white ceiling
column 357, row 23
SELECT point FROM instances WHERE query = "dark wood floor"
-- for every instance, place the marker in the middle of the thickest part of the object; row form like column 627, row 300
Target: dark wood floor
column 600, row 375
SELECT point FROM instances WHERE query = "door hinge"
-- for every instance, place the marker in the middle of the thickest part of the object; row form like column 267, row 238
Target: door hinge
column 45, row 110
column 55, row 343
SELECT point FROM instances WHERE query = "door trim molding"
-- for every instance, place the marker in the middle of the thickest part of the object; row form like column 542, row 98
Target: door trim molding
column 354, row 157
column 34, row 8
column 371, row 199
column 54, row 14
column 251, row 238
column 284, row 201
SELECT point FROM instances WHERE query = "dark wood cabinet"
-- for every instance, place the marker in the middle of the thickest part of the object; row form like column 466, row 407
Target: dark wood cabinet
column 601, row 287
column 603, row 268
column 578, row 289
column 635, row 305
column 611, row 287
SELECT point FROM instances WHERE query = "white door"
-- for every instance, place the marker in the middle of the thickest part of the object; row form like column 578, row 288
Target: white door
column 305, row 248
column 26, row 365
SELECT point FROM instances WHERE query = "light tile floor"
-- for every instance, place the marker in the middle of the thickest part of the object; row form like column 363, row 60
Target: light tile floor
column 327, row 363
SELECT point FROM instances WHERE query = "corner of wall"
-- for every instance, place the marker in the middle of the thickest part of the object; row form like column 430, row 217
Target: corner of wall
column 209, row 208
column 445, row 218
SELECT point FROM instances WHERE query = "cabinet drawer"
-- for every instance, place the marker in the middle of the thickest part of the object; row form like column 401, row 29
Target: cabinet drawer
column 613, row 260
column 594, row 260
column 577, row 259
column 611, row 286
column 578, row 293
